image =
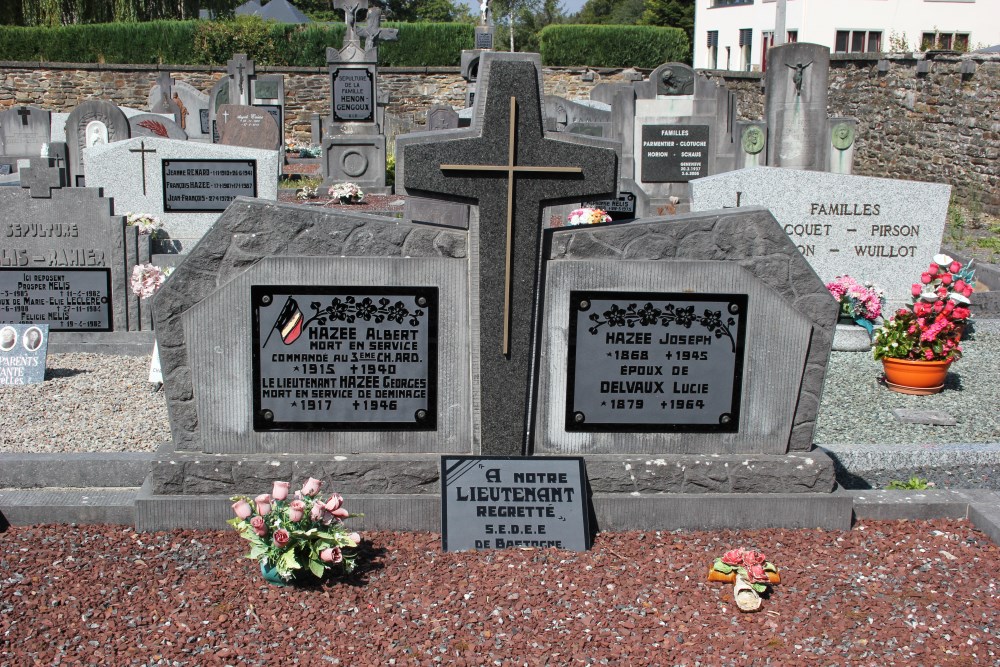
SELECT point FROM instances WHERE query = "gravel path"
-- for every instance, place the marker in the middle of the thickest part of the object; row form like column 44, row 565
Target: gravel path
column 885, row 593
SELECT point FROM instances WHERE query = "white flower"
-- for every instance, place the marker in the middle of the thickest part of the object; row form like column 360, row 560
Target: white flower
column 929, row 297
column 958, row 298
column 147, row 278
column 942, row 260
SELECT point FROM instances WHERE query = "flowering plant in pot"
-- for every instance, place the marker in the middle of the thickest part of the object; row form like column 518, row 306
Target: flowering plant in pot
column 928, row 331
column 304, row 532
column 860, row 302
column 347, row 193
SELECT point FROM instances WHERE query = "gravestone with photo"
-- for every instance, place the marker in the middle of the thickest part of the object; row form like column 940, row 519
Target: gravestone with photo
column 66, row 259
column 23, row 350
column 186, row 184
column 874, row 229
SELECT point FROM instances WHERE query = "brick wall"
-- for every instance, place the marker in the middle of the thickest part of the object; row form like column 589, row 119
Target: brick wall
column 938, row 126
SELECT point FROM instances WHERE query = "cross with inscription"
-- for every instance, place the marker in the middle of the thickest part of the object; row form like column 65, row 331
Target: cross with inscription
column 42, row 177
column 511, row 170
column 241, row 69
column 142, row 150
column 24, row 112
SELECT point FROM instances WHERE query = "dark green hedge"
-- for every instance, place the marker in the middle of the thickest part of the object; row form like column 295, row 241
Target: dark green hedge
column 214, row 42
column 612, row 45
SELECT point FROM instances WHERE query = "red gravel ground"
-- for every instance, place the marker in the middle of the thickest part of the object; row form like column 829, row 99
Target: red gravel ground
column 884, row 593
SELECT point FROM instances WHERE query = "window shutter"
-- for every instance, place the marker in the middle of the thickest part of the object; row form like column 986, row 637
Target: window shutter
column 713, row 38
column 746, row 36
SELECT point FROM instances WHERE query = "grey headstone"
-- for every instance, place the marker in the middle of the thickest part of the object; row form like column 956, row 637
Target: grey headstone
column 421, row 169
column 562, row 114
column 874, row 229
column 23, row 350
column 442, row 117
column 359, row 159
column 24, row 131
column 153, row 125
column 795, row 101
column 92, row 123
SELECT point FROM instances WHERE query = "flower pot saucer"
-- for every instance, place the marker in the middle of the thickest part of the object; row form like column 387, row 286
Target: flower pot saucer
column 913, row 391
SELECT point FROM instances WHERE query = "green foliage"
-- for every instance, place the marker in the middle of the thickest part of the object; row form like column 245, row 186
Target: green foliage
column 672, row 13
column 612, row 45
column 423, row 11
column 913, row 484
column 427, row 44
column 216, row 41
column 153, row 42
column 390, row 169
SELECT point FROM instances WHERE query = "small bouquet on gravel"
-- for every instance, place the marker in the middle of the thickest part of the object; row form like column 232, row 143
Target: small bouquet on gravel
column 749, row 571
column 307, row 192
column 347, row 193
column 862, row 303
column 147, row 278
column 146, row 223
column 291, row 535
column 587, row 216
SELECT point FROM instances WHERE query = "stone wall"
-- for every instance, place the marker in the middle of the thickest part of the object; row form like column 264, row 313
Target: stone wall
column 941, row 125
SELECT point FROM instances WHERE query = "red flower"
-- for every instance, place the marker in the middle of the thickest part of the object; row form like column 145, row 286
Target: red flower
column 756, row 573
column 281, row 537
column 733, row 557
column 751, row 558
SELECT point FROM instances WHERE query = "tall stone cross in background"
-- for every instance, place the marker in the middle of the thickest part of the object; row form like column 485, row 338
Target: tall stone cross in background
column 508, row 166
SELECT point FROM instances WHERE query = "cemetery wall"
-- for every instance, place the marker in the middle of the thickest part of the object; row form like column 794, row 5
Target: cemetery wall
column 935, row 125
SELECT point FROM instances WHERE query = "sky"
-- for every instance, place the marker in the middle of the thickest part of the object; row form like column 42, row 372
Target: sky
column 569, row 6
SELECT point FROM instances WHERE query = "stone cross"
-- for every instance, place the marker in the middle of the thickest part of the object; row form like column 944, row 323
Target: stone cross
column 166, row 84
column 511, row 170
column 42, row 177
column 350, row 9
column 240, row 68
column 24, row 112
column 373, row 33
column 142, row 150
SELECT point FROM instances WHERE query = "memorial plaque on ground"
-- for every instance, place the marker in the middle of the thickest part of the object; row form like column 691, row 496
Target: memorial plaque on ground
column 655, row 362
column 23, row 348
column 353, row 95
column 875, row 229
column 674, row 153
column 65, row 299
column 344, row 357
column 501, row 502
column 206, row 185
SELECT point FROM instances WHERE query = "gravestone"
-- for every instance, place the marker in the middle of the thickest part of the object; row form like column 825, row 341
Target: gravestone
column 65, row 259
column 23, row 350
column 24, row 133
column 194, row 111
column 442, row 117
column 155, row 125
column 580, row 117
column 249, row 126
column 238, row 87
column 163, row 101
column 186, row 184
column 268, row 94
column 507, row 166
column 795, row 101
column 92, row 123
column 874, row 229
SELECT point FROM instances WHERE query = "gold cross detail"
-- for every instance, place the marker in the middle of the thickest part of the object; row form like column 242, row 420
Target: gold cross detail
column 511, row 168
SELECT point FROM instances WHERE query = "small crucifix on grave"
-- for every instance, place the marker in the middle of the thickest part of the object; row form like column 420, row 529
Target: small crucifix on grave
column 24, row 112
column 511, row 170
column 142, row 150
column 241, row 69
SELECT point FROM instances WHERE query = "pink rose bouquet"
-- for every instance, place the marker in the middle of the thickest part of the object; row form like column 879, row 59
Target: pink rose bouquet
column 862, row 303
column 292, row 533
column 752, row 565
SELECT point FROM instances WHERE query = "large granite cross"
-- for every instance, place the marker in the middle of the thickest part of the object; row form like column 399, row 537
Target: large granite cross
column 42, row 177
column 511, row 170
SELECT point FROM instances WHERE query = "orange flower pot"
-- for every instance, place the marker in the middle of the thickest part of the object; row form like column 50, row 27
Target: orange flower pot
column 919, row 378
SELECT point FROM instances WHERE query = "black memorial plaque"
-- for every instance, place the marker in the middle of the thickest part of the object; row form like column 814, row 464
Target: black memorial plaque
column 200, row 186
column 484, row 40
column 674, row 153
column 203, row 120
column 502, row 502
column 64, row 299
column 275, row 111
column 5, row 169
column 655, row 362
column 265, row 89
column 354, row 358
column 620, row 208
column 353, row 95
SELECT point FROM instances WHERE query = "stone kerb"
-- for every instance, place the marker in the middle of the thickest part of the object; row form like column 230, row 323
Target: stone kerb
column 247, row 233
column 753, row 241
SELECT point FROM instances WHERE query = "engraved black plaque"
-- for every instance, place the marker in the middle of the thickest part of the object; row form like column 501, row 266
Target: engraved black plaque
column 5, row 169
column 353, row 95
column 484, row 40
column 275, row 111
column 203, row 120
column 674, row 153
column 503, row 502
column 65, row 299
column 206, row 185
column 354, row 358
column 620, row 208
column 655, row 362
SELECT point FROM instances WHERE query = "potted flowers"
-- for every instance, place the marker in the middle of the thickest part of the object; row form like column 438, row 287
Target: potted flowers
column 288, row 536
column 919, row 343
column 347, row 193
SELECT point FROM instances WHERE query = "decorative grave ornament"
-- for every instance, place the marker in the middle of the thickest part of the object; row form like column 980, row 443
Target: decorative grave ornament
column 92, row 123
column 842, row 136
column 753, row 139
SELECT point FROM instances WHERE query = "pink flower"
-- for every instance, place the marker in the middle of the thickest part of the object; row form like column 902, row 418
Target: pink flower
column 354, row 537
column 916, row 290
column 242, row 509
column 733, row 557
column 757, row 573
column 926, row 278
column 281, row 537
column 933, row 270
column 331, row 555
column 316, row 513
column 311, row 487
column 751, row 558
column 296, row 510
column 280, row 490
column 336, row 500
column 960, row 285
column 340, row 513
column 263, row 504
column 258, row 525
column 955, row 267
column 946, row 279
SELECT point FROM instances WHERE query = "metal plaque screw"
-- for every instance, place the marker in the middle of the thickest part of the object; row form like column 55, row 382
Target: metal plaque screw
column 267, row 415
column 584, row 305
column 725, row 418
column 421, row 415
column 266, row 299
column 734, row 308
column 579, row 417
column 421, row 301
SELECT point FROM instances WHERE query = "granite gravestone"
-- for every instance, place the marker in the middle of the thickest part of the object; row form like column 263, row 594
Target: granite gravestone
column 233, row 88
column 249, row 126
column 581, row 117
column 92, row 123
column 795, row 101
column 268, row 94
column 65, row 260
column 186, row 184
column 155, row 125
column 24, row 133
column 874, row 229
column 510, row 168
column 162, row 100
column 23, row 349
column 442, row 117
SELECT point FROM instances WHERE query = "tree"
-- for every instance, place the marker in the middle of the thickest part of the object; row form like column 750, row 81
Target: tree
column 426, row 11
column 670, row 13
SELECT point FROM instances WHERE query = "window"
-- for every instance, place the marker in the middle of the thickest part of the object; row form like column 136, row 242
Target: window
column 746, row 41
column 858, row 41
column 713, row 49
column 944, row 41
column 728, row 3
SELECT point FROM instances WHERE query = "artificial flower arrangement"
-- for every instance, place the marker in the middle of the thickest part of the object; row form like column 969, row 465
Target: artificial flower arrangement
column 304, row 532
column 307, row 192
column 346, row 192
column 930, row 329
column 862, row 303
column 587, row 216
column 147, row 278
column 750, row 573
column 145, row 223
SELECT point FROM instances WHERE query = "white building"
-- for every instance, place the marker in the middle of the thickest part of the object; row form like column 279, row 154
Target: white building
column 734, row 34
